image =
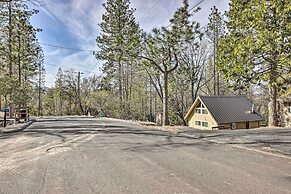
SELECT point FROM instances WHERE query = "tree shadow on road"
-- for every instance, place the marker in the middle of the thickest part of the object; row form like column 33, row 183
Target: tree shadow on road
column 170, row 140
column 274, row 140
column 138, row 134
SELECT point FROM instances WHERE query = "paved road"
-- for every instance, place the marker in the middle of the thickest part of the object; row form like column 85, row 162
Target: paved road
column 273, row 140
column 86, row 155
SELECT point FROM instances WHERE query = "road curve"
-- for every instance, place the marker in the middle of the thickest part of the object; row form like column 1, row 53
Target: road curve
column 89, row 155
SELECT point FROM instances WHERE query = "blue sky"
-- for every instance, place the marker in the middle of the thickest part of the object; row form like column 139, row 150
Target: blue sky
column 74, row 24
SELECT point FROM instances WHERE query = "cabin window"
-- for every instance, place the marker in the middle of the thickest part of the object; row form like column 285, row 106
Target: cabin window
column 201, row 111
column 198, row 110
column 205, row 124
column 204, row 111
column 201, row 123
column 198, row 123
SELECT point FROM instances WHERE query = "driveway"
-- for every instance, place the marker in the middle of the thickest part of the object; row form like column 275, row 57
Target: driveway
column 273, row 140
column 88, row 155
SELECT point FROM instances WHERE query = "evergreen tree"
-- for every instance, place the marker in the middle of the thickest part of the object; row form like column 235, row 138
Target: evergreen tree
column 118, row 43
column 215, row 31
column 59, row 89
column 40, row 83
column 256, row 49
column 20, row 52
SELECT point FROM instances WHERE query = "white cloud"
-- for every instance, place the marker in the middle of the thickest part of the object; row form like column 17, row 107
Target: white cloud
column 80, row 61
column 154, row 13
column 81, row 17
column 48, row 13
column 50, row 76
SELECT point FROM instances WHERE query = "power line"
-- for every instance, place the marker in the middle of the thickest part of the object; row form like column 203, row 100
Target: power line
column 92, row 69
column 196, row 5
column 66, row 68
column 203, row 27
column 87, row 50
column 68, row 48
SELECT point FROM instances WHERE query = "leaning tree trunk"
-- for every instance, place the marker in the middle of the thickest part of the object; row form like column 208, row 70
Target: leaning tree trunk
column 273, row 112
column 165, row 101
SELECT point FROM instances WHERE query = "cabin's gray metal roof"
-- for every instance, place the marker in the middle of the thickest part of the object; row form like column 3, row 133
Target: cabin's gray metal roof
column 230, row 109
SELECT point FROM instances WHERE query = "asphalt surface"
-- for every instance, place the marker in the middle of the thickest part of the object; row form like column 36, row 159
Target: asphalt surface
column 273, row 140
column 88, row 155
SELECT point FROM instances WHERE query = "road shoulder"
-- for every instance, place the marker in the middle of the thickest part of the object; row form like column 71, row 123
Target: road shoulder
column 16, row 127
column 270, row 141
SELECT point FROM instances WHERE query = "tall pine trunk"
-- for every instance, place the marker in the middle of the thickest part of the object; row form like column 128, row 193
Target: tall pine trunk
column 165, row 100
column 273, row 112
column 120, row 88
column 11, row 111
column 273, row 93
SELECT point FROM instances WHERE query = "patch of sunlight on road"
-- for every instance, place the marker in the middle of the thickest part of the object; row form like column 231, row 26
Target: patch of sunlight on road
column 14, row 159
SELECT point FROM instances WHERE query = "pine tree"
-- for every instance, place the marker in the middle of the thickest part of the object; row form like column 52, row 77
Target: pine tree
column 59, row 89
column 40, row 84
column 215, row 31
column 20, row 52
column 256, row 49
column 118, row 42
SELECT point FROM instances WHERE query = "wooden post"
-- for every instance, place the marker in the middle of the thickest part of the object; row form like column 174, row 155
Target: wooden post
column 4, row 125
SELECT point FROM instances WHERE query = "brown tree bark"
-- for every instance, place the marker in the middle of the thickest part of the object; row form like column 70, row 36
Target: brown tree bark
column 11, row 112
column 273, row 112
column 165, row 100
column 120, row 94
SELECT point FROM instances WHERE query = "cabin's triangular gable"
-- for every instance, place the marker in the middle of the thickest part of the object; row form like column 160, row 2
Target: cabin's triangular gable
column 192, row 108
column 191, row 111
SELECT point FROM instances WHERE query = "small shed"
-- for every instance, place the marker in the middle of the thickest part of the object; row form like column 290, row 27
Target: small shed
column 223, row 112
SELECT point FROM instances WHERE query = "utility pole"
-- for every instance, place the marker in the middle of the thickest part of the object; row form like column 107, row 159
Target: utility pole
column 39, row 90
column 79, row 91
column 79, row 77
